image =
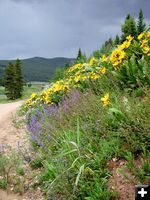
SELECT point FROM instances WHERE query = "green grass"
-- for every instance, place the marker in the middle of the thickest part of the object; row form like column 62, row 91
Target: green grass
column 12, row 172
column 35, row 87
column 3, row 98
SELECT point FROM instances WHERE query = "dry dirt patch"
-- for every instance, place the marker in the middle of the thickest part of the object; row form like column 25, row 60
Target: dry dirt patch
column 122, row 180
column 9, row 135
column 14, row 137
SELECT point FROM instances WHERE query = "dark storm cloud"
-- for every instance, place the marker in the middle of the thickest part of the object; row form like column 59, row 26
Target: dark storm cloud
column 52, row 28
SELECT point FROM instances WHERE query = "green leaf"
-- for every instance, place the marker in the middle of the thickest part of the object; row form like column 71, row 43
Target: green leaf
column 66, row 153
column 133, row 65
column 78, row 133
column 117, row 113
column 79, row 174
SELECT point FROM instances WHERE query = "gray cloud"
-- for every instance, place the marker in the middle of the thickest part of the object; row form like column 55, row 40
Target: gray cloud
column 52, row 28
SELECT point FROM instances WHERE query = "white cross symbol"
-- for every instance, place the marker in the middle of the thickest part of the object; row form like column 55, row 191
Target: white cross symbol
column 142, row 192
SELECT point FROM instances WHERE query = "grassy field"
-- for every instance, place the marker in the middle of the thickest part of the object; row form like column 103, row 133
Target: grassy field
column 35, row 87
column 3, row 98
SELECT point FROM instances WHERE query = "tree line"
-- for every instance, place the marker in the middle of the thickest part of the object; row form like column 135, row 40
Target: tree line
column 129, row 27
column 13, row 80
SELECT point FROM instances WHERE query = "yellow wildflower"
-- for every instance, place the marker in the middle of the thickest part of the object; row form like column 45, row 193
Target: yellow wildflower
column 32, row 100
column 77, row 78
column 84, row 78
column 104, row 58
column 117, row 57
column 103, row 70
column 47, row 99
column 92, row 61
column 126, row 43
column 146, row 49
column 94, row 75
column 57, row 88
column 129, row 38
column 122, row 46
column 75, row 67
column 50, row 91
column 34, row 95
column 145, row 46
column 105, row 99
column 148, row 34
column 65, row 88
column 140, row 36
column 144, row 43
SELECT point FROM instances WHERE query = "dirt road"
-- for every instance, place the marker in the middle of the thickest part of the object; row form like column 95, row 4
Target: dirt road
column 5, row 196
column 12, row 137
column 9, row 135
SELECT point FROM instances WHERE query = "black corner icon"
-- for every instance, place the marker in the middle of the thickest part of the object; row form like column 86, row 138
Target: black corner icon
column 142, row 192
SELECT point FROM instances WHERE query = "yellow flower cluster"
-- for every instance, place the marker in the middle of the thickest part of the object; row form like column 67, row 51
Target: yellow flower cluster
column 75, row 75
column 90, row 70
column 141, row 36
column 104, row 58
column 145, row 46
column 144, row 39
column 118, row 55
column 58, row 86
column 61, row 85
column 47, row 95
column 93, row 61
column 78, row 76
column 93, row 69
column 103, row 70
column 126, row 44
column 94, row 75
column 148, row 34
column 105, row 99
column 75, row 67
column 31, row 100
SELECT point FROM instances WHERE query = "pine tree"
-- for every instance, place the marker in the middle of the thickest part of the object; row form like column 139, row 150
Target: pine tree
column 125, row 27
column 117, row 40
column 129, row 28
column 9, row 81
column 110, row 43
column 18, row 80
column 13, row 80
column 106, row 48
column 80, row 57
column 97, row 54
column 133, row 28
column 141, row 26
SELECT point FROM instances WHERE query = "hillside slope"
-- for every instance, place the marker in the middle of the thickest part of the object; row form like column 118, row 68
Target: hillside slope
column 38, row 68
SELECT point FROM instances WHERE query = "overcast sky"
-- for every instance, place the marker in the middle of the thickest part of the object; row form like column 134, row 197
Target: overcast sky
column 53, row 28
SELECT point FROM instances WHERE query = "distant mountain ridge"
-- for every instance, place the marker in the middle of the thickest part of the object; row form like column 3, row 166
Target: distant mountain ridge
column 38, row 68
